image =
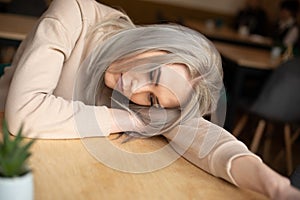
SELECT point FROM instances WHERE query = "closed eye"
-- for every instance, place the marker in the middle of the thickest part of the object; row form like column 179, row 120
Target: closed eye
column 154, row 101
column 154, row 78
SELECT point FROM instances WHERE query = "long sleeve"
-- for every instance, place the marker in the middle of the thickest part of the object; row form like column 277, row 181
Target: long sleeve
column 4, row 86
column 208, row 146
column 39, row 67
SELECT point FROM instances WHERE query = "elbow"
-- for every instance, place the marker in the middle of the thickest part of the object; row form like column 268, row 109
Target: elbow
column 17, row 121
column 14, row 122
column 23, row 111
column 17, row 118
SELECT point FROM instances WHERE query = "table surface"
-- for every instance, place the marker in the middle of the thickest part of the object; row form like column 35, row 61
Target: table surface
column 245, row 56
column 226, row 33
column 246, row 60
column 15, row 27
column 63, row 169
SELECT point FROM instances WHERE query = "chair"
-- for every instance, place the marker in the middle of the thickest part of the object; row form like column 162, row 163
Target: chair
column 295, row 178
column 278, row 102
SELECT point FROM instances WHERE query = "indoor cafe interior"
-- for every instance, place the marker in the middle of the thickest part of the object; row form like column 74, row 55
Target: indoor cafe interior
column 261, row 76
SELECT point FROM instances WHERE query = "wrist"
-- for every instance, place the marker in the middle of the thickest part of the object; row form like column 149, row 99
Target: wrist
column 122, row 121
column 275, row 184
column 284, row 190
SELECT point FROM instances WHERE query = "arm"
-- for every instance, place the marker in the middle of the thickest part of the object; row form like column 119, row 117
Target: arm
column 216, row 151
column 251, row 174
column 39, row 64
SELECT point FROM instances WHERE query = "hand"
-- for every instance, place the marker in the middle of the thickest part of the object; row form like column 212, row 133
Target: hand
column 286, row 192
column 153, row 121
column 252, row 174
column 142, row 120
column 147, row 121
column 122, row 121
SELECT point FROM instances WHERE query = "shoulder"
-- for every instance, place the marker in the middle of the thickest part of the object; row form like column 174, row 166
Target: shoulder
column 65, row 12
column 75, row 12
column 94, row 12
column 75, row 15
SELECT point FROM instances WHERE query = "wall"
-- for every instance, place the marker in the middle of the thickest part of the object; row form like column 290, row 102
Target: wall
column 223, row 6
column 271, row 7
column 144, row 12
column 149, row 11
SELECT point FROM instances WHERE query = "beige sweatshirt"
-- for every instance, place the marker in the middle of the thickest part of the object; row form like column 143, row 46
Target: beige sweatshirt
column 41, row 89
column 42, row 77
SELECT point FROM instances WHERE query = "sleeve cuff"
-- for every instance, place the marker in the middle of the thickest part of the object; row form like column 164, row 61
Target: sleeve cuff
column 221, row 160
column 104, row 120
column 228, row 166
column 93, row 122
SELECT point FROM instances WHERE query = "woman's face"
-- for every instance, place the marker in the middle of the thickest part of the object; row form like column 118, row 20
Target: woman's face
column 168, row 86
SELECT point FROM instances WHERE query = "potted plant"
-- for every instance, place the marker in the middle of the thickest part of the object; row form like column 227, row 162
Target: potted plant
column 16, row 180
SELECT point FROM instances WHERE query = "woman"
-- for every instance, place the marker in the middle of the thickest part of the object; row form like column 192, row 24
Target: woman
column 86, row 69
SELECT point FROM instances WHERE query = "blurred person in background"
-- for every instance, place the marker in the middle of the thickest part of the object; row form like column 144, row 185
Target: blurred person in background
column 253, row 17
column 286, row 30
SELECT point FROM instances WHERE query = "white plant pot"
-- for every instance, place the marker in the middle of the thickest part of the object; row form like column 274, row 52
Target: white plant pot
column 17, row 188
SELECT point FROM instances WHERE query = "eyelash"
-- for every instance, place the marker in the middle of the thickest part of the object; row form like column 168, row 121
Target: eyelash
column 151, row 96
column 151, row 99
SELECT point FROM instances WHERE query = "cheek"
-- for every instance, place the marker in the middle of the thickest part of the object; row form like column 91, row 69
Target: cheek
column 140, row 99
column 110, row 79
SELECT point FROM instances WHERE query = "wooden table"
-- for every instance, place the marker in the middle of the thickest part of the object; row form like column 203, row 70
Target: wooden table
column 246, row 61
column 227, row 34
column 246, row 56
column 14, row 28
column 63, row 169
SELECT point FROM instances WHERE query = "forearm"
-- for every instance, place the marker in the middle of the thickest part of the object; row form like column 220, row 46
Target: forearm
column 121, row 121
column 250, row 173
column 209, row 147
column 230, row 159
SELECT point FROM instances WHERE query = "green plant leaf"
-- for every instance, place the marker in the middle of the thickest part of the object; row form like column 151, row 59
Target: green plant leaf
column 14, row 153
column 5, row 133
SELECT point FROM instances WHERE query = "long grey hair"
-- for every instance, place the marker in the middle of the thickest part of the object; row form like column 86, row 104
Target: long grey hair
column 183, row 45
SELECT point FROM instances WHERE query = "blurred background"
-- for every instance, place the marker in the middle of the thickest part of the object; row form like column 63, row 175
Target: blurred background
column 149, row 11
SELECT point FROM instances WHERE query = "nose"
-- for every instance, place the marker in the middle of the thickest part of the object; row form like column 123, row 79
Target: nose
column 134, row 85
